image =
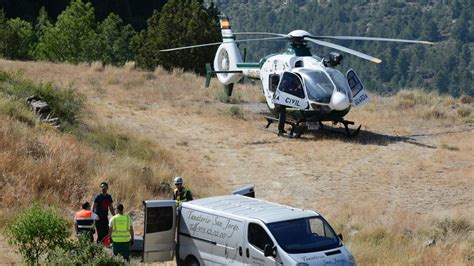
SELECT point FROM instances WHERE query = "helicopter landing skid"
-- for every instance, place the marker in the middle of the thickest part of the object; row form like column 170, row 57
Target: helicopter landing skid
column 346, row 124
column 297, row 129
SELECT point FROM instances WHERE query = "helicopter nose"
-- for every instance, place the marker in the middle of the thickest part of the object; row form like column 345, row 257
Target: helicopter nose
column 339, row 101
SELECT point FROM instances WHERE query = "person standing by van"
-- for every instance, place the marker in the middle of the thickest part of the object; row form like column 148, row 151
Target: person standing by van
column 102, row 205
column 181, row 193
column 121, row 231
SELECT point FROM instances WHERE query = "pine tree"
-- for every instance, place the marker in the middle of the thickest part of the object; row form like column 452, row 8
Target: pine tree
column 114, row 41
column 181, row 23
column 73, row 36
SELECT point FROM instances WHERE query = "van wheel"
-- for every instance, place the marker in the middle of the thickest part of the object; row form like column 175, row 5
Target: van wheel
column 192, row 261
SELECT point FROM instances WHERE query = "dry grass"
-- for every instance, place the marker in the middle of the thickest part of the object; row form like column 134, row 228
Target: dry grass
column 385, row 237
column 385, row 194
column 433, row 106
column 42, row 164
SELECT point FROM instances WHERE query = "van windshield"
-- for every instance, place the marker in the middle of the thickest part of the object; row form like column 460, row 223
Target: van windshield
column 304, row 235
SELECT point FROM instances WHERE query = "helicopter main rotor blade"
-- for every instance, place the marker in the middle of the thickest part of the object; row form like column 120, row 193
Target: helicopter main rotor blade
column 345, row 49
column 359, row 38
column 217, row 43
column 260, row 33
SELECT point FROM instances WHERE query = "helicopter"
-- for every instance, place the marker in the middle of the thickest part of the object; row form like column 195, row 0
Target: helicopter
column 301, row 89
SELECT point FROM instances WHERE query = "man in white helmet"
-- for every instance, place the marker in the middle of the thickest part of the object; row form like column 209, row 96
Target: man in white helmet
column 181, row 193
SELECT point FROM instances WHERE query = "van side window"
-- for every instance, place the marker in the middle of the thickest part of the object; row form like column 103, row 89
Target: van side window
column 257, row 236
column 274, row 80
column 319, row 228
column 159, row 219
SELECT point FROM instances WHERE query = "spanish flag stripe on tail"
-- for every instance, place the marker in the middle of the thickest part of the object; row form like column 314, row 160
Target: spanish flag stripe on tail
column 225, row 24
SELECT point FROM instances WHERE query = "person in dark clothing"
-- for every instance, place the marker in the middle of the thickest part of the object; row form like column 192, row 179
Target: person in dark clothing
column 102, row 205
column 281, row 120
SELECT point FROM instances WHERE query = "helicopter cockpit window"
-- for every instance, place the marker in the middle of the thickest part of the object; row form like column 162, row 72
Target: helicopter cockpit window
column 274, row 80
column 318, row 85
column 340, row 81
column 291, row 83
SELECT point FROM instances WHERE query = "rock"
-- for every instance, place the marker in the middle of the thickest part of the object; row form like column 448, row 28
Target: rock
column 429, row 243
column 42, row 110
column 353, row 232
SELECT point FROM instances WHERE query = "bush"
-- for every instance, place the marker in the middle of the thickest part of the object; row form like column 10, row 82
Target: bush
column 83, row 252
column 36, row 231
column 64, row 103
column 109, row 140
column 16, row 109
column 236, row 112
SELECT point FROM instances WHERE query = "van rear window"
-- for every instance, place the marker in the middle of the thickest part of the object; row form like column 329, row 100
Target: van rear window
column 159, row 219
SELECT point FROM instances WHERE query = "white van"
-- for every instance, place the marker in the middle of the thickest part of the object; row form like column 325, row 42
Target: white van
column 239, row 230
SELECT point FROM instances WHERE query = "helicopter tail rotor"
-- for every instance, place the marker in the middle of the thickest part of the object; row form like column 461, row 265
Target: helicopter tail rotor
column 227, row 56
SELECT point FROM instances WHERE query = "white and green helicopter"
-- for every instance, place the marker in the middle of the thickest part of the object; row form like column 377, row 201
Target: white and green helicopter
column 301, row 89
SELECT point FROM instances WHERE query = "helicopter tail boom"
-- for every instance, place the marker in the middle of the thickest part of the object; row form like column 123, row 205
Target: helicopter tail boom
column 227, row 55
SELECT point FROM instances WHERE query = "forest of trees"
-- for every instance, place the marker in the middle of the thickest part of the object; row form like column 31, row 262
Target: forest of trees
column 86, row 31
column 116, row 31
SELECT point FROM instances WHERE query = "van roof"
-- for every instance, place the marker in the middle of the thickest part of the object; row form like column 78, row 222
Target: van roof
column 247, row 207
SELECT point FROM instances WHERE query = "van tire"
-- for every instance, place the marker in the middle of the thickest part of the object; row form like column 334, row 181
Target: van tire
column 191, row 261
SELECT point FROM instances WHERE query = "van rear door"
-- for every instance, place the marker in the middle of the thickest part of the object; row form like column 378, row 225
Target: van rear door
column 160, row 230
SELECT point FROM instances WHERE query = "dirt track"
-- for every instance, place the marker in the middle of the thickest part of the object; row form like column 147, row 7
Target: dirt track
column 408, row 172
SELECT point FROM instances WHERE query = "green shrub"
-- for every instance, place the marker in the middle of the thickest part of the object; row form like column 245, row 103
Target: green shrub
column 65, row 103
column 236, row 111
column 17, row 110
column 109, row 140
column 83, row 252
column 36, row 231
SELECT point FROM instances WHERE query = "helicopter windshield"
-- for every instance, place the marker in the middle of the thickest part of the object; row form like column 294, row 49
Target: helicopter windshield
column 318, row 86
column 340, row 81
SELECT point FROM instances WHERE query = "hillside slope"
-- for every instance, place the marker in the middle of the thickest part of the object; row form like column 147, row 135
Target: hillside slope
column 410, row 168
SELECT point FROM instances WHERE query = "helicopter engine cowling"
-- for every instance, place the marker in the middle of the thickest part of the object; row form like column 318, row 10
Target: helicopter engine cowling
column 226, row 59
column 339, row 101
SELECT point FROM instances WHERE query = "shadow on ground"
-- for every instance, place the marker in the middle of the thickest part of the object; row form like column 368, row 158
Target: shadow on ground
column 373, row 138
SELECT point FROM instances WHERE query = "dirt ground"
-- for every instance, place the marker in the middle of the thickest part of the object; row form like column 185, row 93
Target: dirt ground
column 411, row 171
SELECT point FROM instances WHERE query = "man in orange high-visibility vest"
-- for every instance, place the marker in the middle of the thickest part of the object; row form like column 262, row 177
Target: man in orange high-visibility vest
column 84, row 221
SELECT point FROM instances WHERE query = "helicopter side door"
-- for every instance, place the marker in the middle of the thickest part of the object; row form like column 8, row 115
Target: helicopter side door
column 290, row 92
column 359, row 95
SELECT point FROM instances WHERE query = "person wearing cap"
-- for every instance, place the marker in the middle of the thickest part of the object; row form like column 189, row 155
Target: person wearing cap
column 121, row 231
column 181, row 193
column 102, row 205
column 84, row 221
